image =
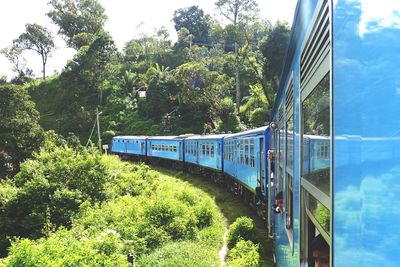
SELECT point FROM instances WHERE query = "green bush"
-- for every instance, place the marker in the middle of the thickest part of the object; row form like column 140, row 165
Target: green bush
column 180, row 254
column 242, row 229
column 64, row 248
column 245, row 253
column 139, row 211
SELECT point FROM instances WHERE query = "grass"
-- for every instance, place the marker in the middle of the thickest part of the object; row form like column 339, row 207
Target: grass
column 231, row 207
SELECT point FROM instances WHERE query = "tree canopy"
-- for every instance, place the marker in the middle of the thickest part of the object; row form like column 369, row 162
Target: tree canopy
column 38, row 39
column 79, row 21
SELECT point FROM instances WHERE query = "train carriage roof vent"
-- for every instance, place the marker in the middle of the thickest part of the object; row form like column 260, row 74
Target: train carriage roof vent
column 289, row 98
column 317, row 45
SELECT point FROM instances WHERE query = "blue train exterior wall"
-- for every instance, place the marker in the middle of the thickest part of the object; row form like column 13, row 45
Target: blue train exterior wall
column 205, row 151
column 287, row 253
column 135, row 145
column 165, row 147
column 365, row 133
column 246, row 170
column 366, row 160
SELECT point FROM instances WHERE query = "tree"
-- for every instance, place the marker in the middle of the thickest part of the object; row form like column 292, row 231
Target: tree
column 79, row 20
column 274, row 50
column 38, row 39
column 20, row 132
column 193, row 19
column 94, row 65
column 240, row 13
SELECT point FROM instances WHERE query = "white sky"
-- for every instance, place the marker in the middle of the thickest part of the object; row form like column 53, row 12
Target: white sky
column 124, row 16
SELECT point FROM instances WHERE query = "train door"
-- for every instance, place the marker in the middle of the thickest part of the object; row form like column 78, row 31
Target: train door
column 180, row 150
column 270, row 177
column 126, row 146
column 142, row 148
column 219, row 160
column 262, row 165
column 236, row 157
column 197, row 153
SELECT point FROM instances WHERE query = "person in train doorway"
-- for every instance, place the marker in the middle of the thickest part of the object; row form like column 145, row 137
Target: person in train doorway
column 278, row 205
column 320, row 249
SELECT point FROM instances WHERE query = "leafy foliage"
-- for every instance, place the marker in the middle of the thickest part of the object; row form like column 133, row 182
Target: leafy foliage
column 123, row 208
column 245, row 253
column 79, row 20
column 241, row 229
column 193, row 19
column 20, row 132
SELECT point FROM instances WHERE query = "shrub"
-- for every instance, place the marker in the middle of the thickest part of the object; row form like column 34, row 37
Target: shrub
column 245, row 253
column 180, row 254
column 64, row 248
column 242, row 228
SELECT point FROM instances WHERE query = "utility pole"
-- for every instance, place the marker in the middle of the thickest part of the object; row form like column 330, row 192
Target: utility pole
column 237, row 79
column 98, row 128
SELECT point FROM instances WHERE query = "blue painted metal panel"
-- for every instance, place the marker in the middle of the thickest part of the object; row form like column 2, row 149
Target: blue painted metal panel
column 241, row 168
column 286, row 254
column 211, row 157
column 135, row 145
column 167, row 148
column 366, row 133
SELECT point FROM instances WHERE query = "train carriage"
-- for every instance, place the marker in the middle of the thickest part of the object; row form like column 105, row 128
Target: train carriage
column 205, row 150
column 245, row 158
column 134, row 145
column 165, row 147
column 337, row 113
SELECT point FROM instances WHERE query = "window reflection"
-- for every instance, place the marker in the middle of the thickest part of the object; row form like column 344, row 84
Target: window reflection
column 316, row 136
column 321, row 214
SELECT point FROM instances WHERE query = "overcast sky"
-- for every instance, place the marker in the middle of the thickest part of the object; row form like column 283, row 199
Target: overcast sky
column 124, row 17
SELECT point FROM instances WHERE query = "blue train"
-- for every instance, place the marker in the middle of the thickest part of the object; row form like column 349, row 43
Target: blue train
column 336, row 137
column 325, row 172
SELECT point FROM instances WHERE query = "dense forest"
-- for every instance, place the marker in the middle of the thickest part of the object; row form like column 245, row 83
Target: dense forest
column 215, row 78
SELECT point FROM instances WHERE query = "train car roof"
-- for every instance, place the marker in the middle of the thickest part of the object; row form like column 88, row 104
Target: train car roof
column 169, row 137
column 131, row 137
column 207, row 136
column 256, row 131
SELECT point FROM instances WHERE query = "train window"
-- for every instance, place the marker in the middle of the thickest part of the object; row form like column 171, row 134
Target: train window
column 246, row 151
column 241, row 151
column 316, row 127
column 316, row 122
column 212, row 149
column 252, row 161
column 203, row 149
column 289, row 203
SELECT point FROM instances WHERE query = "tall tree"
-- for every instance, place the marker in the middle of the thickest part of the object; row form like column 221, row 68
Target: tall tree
column 78, row 20
column 240, row 13
column 193, row 19
column 274, row 49
column 38, row 39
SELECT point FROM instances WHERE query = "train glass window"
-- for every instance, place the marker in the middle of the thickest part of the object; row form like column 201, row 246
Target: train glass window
column 175, row 149
column 289, row 203
column 246, row 151
column 316, row 127
column 319, row 214
column 252, row 163
column 242, row 151
column 212, row 150
column 203, row 149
